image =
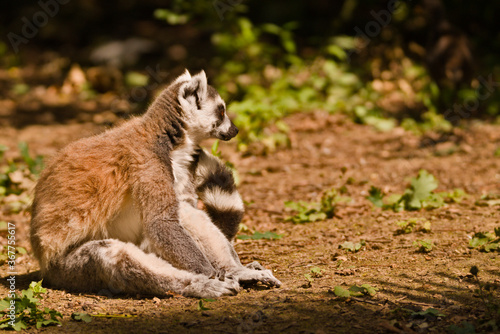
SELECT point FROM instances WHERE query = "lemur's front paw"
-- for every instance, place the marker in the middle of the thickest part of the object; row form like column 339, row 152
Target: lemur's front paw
column 203, row 287
column 251, row 276
column 269, row 279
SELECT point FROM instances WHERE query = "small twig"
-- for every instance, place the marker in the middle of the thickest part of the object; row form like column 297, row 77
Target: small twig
column 377, row 265
column 412, row 302
column 449, row 229
column 380, row 241
column 401, row 300
column 365, row 301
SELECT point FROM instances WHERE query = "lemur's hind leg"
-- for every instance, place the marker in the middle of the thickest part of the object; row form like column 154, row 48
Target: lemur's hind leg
column 218, row 248
column 120, row 267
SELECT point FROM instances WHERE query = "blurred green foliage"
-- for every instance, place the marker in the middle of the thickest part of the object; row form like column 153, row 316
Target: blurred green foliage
column 17, row 177
column 265, row 77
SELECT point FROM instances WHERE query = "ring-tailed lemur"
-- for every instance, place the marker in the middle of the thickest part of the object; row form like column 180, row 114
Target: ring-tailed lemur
column 118, row 211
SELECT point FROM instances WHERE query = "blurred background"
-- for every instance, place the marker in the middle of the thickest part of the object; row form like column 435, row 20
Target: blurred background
column 420, row 64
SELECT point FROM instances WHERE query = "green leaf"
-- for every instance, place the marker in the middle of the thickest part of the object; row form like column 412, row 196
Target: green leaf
column 210, row 300
column 491, row 247
column 406, row 226
column 424, row 246
column 426, row 227
column 46, row 322
column 341, row 292
column 258, row 235
column 364, row 289
column 309, row 278
column 37, row 288
column 315, row 216
column 215, row 149
column 369, row 289
column 81, row 317
column 24, row 150
column 296, row 206
column 433, row 201
column 136, row 79
column 35, row 165
column 420, row 190
column 429, row 311
column 3, row 149
column 171, row 17
column 315, row 211
column 376, row 196
column 316, row 270
column 353, row 247
column 455, row 196
column 356, row 291
column 27, row 309
column 19, row 325
column 479, row 239
column 20, row 89
column 29, row 295
column 201, row 307
column 4, row 304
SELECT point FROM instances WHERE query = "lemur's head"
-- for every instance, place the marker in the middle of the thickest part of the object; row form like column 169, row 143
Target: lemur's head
column 205, row 110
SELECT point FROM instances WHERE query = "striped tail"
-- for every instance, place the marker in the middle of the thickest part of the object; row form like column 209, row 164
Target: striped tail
column 216, row 189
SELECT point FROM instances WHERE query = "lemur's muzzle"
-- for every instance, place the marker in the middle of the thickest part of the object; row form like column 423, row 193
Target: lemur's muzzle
column 231, row 133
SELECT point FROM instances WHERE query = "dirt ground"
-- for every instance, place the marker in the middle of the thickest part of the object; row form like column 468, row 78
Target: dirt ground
column 326, row 150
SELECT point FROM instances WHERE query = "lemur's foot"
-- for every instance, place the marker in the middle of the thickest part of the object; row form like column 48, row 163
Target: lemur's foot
column 265, row 276
column 203, row 287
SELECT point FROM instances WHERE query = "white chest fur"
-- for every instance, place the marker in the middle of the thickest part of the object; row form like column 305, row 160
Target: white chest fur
column 182, row 158
column 127, row 225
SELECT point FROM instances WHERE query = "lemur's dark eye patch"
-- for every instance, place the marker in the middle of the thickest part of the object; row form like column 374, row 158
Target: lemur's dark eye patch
column 221, row 109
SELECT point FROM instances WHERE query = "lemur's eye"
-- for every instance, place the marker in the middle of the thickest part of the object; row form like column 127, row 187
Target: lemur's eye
column 221, row 110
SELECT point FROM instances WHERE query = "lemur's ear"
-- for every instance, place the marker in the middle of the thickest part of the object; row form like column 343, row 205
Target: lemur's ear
column 195, row 89
column 184, row 76
column 199, row 84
